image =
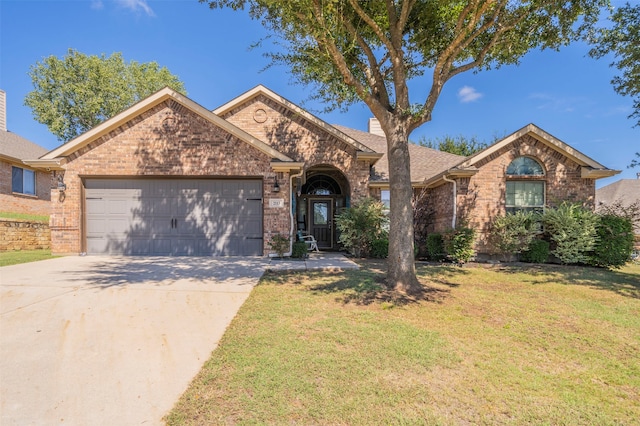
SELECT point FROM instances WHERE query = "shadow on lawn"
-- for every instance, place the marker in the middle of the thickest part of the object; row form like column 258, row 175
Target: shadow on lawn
column 622, row 283
column 361, row 287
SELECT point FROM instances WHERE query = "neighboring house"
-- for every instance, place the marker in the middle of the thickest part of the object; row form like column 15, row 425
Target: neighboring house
column 624, row 193
column 169, row 177
column 23, row 189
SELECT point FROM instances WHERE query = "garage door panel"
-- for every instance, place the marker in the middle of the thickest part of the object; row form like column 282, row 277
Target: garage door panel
column 174, row 217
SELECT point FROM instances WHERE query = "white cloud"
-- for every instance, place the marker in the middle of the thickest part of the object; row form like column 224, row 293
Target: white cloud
column 97, row 4
column 468, row 94
column 136, row 6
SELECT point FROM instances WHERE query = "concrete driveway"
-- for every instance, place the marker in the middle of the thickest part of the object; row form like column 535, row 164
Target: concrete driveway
column 111, row 340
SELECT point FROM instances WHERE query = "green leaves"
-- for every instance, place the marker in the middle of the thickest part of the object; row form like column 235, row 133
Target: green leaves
column 361, row 225
column 622, row 40
column 77, row 92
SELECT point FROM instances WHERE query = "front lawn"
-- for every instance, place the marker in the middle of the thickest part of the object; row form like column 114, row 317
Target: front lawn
column 23, row 256
column 486, row 345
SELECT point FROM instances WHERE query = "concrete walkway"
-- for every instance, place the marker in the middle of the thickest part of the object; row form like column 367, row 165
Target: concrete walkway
column 323, row 261
column 111, row 340
column 116, row 340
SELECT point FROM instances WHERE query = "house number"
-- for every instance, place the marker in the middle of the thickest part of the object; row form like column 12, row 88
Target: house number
column 276, row 202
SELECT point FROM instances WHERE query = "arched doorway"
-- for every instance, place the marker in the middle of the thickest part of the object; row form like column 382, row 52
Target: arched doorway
column 323, row 195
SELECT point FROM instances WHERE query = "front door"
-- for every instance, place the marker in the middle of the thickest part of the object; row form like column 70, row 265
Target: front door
column 321, row 223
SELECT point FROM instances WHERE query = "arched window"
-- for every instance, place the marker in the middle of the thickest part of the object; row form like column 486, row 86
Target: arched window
column 525, row 166
column 321, row 185
column 525, row 185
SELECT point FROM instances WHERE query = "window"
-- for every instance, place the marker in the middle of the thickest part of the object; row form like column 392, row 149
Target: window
column 525, row 166
column 523, row 194
column 23, row 181
column 385, row 197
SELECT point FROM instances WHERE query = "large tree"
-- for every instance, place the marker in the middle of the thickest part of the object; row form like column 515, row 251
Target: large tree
column 77, row 92
column 376, row 51
column 622, row 39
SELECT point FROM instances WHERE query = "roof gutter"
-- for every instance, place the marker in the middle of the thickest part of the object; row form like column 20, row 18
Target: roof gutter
column 590, row 173
column 48, row 165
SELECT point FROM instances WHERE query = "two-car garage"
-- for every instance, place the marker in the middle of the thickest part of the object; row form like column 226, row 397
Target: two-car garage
column 174, row 217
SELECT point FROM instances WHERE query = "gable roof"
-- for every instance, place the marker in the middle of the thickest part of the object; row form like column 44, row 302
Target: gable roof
column 627, row 191
column 363, row 150
column 57, row 157
column 591, row 169
column 425, row 162
column 16, row 148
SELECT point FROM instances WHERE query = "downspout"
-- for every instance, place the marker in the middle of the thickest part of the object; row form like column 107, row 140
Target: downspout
column 455, row 197
column 291, row 225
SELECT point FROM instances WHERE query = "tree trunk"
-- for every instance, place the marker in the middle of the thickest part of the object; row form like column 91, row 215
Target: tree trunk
column 401, row 270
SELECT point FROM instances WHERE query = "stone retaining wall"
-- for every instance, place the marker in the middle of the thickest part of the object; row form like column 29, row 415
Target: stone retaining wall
column 16, row 234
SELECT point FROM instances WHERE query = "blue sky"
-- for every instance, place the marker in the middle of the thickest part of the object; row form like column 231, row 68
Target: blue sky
column 566, row 93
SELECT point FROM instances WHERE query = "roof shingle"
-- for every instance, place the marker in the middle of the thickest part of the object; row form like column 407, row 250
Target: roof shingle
column 19, row 148
column 425, row 162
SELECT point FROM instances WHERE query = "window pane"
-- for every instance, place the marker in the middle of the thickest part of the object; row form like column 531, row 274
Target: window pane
column 29, row 182
column 525, row 166
column 320, row 214
column 16, row 179
column 524, row 194
column 385, row 197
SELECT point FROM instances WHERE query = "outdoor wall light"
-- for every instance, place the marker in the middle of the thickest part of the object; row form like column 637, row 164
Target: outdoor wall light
column 276, row 186
column 62, row 187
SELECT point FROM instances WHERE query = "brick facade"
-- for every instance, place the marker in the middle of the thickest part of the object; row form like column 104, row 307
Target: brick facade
column 301, row 140
column 482, row 197
column 171, row 140
column 167, row 141
column 38, row 204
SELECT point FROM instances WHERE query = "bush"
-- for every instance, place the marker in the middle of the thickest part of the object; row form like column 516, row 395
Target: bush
column 299, row 250
column 512, row 234
column 380, row 248
column 458, row 244
column 280, row 244
column 538, row 252
column 614, row 242
column 435, row 247
column 572, row 229
column 361, row 224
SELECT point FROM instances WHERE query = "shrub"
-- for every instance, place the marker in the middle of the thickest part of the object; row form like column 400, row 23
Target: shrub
column 537, row 252
column 572, row 229
column 512, row 233
column 614, row 243
column 435, row 247
column 458, row 244
column 280, row 244
column 299, row 250
column 361, row 224
column 380, row 248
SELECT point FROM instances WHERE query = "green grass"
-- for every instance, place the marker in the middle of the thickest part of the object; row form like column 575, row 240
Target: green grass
column 23, row 256
column 485, row 345
column 24, row 216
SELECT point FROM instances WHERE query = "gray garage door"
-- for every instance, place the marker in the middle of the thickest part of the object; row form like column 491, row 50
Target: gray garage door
column 177, row 217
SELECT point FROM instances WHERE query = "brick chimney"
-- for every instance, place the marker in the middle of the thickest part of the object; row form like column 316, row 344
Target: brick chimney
column 374, row 127
column 3, row 111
